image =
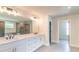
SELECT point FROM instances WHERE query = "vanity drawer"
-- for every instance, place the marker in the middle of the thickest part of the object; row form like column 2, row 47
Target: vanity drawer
column 8, row 47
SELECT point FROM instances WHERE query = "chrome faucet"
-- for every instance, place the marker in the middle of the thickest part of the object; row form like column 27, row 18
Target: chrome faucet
column 9, row 36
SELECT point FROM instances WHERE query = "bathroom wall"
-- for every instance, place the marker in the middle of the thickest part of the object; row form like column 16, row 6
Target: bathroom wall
column 74, row 30
column 54, row 31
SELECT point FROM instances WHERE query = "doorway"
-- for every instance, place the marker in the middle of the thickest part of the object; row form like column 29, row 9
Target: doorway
column 64, row 27
column 64, row 30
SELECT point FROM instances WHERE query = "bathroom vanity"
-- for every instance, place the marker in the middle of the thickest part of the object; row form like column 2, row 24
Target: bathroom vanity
column 21, row 43
column 22, row 29
column 23, row 38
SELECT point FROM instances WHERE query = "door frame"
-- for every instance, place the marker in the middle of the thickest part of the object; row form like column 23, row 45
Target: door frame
column 50, row 32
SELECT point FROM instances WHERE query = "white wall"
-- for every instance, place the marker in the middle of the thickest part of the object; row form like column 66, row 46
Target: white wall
column 35, row 27
column 74, row 32
column 44, row 29
column 54, row 31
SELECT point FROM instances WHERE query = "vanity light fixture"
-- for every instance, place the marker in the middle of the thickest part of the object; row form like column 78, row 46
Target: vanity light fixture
column 34, row 19
column 10, row 11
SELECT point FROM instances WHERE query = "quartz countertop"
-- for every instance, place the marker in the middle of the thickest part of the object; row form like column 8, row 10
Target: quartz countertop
column 16, row 38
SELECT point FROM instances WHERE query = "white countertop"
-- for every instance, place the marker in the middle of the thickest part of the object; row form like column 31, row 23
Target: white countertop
column 17, row 37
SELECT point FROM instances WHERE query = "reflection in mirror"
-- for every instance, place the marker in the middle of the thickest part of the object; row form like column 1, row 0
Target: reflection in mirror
column 23, row 28
column 2, row 28
column 11, row 27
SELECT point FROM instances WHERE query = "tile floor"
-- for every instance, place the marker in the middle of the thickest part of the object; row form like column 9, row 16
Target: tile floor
column 63, row 46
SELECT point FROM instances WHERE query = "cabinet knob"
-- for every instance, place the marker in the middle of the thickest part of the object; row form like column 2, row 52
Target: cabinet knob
column 14, row 50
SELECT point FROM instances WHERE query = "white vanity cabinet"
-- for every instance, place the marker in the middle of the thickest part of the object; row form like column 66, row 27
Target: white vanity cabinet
column 33, row 43
column 29, row 44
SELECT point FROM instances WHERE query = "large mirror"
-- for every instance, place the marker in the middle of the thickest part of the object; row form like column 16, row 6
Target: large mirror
column 24, row 27
column 15, row 27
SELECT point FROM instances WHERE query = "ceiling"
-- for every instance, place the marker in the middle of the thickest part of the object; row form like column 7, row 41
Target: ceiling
column 46, row 10
column 37, row 11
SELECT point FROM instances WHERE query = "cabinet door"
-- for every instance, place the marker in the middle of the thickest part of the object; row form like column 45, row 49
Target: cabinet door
column 7, row 50
column 21, row 46
column 8, row 47
column 33, row 44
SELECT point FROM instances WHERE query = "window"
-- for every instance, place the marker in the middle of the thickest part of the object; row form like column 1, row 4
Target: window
column 9, row 24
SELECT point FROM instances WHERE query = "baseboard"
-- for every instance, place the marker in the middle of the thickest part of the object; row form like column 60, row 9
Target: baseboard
column 55, row 41
column 74, row 45
column 46, row 44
